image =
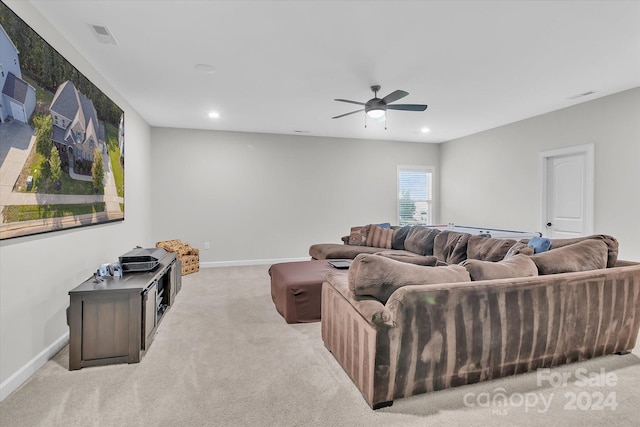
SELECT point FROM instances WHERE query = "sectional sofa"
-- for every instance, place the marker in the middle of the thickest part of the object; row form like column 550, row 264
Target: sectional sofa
column 474, row 309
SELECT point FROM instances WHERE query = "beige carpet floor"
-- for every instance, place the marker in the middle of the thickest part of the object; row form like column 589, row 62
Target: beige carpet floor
column 224, row 357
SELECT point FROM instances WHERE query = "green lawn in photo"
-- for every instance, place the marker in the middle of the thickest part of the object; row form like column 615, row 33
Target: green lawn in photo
column 43, row 185
column 114, row 157
column 18, row 213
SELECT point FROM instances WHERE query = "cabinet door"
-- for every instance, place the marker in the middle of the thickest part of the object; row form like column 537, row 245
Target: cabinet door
column 174, row 276
column 105, row 326
column 177, row 275
column 149, row 314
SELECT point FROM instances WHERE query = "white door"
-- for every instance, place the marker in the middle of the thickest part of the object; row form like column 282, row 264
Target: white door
column 567, row 199
column 18, row 112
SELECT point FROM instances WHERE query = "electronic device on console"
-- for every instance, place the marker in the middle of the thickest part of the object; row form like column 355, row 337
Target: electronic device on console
column 141, row 259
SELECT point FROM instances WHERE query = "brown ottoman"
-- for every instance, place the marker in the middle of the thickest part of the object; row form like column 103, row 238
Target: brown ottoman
column 296, row 288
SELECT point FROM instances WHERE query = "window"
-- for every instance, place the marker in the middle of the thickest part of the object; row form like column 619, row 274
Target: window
column 415, row 195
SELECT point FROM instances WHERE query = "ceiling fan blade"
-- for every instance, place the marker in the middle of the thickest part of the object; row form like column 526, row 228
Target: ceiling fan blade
column 342, row 115
column 350, row 102
column 407, row 107
column 394, row 96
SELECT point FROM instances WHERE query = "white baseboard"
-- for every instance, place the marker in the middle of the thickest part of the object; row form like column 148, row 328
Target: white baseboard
column 21, row 375
column 250, row 262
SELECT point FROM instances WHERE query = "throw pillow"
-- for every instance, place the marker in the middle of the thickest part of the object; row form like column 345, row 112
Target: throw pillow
column 377, row 276
column 420, row 240
column 582, row 256
column 516, row 266
column 378, row 237
column 358, row 236
column 487, row 248
column 540, row 244
column 519, row 248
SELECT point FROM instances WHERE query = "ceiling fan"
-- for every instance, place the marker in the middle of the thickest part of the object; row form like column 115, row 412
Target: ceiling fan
column 376, row 107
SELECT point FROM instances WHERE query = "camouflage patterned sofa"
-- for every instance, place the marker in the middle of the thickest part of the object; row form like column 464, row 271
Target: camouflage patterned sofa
column 189, row 257
column 400, row 329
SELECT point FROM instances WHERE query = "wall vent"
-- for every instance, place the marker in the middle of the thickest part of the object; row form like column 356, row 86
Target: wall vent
column 103, row 34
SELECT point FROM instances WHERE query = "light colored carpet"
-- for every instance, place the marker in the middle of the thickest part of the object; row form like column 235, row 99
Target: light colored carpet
column 223, row 356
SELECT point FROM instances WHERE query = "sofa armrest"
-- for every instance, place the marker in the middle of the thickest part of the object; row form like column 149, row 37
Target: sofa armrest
column 372, row 310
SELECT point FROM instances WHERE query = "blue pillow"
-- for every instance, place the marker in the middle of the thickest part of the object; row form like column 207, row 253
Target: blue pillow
column 539, row 244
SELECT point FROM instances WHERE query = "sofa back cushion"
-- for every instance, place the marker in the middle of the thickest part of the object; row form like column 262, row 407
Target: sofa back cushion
column 487, row 248
column 420, row 240
column 610, row 241
column 589, row 254
column 515, row 266
column 399, row 236
column 378, row 277
column 451, row 246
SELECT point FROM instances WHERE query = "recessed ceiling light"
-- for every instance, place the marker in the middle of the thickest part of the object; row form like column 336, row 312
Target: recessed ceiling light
column 205, row 68
column 214, row 115
column 425, row 130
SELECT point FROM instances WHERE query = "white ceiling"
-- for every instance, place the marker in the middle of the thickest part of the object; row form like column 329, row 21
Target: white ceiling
column 279, row 64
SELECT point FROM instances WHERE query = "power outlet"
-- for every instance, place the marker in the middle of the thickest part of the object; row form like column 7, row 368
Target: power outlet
column 207, row 245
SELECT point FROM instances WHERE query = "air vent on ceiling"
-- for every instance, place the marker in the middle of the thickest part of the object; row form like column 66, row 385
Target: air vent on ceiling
column 103, row 34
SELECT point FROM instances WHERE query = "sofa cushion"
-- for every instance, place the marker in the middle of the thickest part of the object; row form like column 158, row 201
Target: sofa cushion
column 338, row 251
column 610, row 241
column 379, row 237
column 420, row 240
column 451, row 246
column 397, row 242
column 581, row 256
column 487, row 248
column 411, row 258
column 377, row 276
column 515, row 266
column 519, row 248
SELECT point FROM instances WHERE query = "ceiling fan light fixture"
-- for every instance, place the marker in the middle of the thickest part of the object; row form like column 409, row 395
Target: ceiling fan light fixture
column 376, row 113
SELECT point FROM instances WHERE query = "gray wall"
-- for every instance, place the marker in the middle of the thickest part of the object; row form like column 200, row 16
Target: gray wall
column 37, row 272
column 262, row 197
column 491, row 179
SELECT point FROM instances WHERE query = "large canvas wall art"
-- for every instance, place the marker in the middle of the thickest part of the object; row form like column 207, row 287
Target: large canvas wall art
column 61, row 140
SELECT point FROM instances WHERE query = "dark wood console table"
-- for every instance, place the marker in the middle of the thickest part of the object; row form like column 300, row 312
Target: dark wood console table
column 115, row 321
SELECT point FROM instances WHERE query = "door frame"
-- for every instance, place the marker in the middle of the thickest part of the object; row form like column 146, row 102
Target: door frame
column 544, row 156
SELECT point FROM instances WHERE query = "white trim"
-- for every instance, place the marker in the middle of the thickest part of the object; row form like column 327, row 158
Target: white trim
column 588, row 150
column 250, row 262
column 24, row 373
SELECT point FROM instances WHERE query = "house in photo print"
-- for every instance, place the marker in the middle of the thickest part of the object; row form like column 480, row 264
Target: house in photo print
column 18, row 99
column 76, row 129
